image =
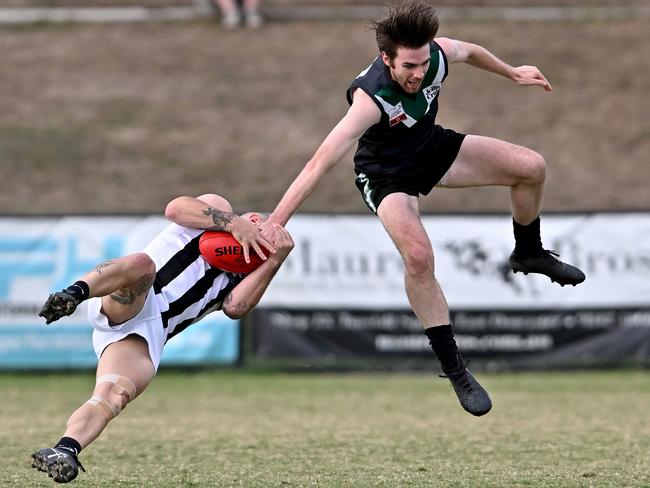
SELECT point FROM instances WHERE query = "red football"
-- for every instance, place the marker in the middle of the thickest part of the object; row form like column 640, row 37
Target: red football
column 221, row 250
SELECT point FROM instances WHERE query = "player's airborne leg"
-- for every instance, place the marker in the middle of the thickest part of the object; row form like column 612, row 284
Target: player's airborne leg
column 471, row 395
column 399, row 213
column 527, row 184
column 125, row 280
column 485, row 161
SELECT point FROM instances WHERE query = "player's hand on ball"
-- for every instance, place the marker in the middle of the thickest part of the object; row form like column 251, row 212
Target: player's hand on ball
column 249, row 236
column 283, row 241
column 269, row 231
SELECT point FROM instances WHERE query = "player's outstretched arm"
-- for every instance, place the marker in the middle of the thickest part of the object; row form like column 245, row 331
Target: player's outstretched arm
column 248, row 293
column 464, row 52
column 212, row 212
column 362, row 114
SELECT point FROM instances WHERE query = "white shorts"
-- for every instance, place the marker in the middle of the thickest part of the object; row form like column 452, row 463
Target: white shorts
column 147, row 324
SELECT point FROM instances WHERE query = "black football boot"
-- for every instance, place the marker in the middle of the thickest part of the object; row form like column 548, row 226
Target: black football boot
column 545, row 263
column 471, row 395
column 60, row 464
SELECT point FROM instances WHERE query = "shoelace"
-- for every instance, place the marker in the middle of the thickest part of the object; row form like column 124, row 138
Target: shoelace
column 552, row 252
column 460, row 376
column 76, row 459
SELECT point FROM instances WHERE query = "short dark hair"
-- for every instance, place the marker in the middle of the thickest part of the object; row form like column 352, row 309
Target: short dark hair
column 410, row 24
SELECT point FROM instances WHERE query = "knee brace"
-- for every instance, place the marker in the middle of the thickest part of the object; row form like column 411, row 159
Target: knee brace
column 111, row 407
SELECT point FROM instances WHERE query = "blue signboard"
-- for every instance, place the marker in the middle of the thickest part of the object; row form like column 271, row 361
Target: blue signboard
column 39, row 256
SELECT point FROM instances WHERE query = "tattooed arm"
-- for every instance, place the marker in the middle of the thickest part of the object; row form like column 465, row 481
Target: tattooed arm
column 212, row 212
column 248, row 293
column 209, row 212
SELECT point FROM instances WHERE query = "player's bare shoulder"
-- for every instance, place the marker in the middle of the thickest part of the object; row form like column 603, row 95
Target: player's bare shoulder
column 364, row 109
column 452, row 49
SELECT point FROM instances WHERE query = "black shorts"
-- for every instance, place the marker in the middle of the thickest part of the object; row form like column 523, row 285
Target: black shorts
column 416, row 179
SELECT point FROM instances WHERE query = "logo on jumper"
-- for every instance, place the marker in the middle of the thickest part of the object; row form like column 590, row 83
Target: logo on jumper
column 431, row 92
column 396, row 115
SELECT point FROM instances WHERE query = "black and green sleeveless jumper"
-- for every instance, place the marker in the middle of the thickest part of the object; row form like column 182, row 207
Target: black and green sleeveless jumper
column 404, row 136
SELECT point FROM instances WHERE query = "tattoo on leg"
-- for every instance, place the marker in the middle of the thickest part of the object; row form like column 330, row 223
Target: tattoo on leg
column 123, row 297
column 128, row 294
column 219, row 217
column 100, row 267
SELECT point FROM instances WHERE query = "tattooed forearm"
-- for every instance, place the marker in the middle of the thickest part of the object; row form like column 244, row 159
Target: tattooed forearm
column 220, row 218
column 236, row 309
column 100, row 267
column 128, row 294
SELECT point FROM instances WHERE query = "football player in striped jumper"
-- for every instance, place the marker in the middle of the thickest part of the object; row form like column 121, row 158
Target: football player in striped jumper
column 138, row 302
column 401, row 154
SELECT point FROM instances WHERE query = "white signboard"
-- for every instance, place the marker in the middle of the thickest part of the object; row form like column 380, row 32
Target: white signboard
column 350, row 262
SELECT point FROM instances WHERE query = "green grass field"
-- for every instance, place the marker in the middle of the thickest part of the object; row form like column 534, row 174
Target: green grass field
column 236, row 428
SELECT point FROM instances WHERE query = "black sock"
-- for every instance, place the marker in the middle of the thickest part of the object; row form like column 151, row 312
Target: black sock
column 444, row 346
column 69, row 444
column 79, row 290
column 528, row 241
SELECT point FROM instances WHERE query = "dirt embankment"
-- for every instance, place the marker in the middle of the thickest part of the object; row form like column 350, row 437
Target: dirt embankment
column 121, row 118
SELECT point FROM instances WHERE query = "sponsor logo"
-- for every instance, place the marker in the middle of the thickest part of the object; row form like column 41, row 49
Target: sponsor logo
column 431, row 92
column 396, row 115
column 397, row 119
